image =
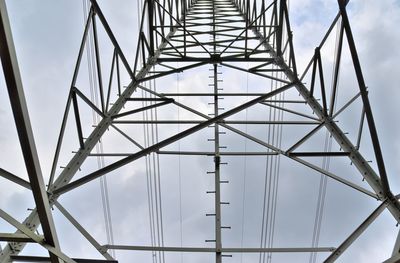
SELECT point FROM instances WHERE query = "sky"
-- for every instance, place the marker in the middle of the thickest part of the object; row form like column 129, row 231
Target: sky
column 47, row 38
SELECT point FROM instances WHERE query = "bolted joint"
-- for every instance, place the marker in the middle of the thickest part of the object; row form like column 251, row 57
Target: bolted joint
column 215, row 58
column 51, row 198
column 279, row 61
column 152, row 60
column 102, row 250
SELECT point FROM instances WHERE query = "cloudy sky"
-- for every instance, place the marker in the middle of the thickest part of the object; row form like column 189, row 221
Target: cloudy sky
column 47, row 37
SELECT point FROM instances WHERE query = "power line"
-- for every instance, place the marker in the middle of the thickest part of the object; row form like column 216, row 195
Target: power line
column 93, row 85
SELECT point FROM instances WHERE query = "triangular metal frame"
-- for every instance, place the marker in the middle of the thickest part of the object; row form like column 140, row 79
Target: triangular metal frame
column 161, row 24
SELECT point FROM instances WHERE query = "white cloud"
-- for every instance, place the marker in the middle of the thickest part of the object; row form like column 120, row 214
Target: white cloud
column 47, row 53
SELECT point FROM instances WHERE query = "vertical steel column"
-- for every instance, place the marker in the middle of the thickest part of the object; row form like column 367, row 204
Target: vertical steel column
column 24, row 129
column 217, row 161
column 247, row 27
column 279, row 35
column 217, row 157
column 214, row 35
column 184, row 27
column 150, row 7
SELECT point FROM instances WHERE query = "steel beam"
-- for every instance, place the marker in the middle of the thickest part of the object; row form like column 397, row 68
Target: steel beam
column 67, row 187
column 380, row 186
column 189, row 153
column 339, row 251
column 217, row 168
column 24, row 129
column 83, row 231
column 222, row 249
column 393, row 259
column 319, row 154
column 46, row 259
column 102, row 127
column 248, row 122
column 70, row 170
column 220, row 95
column 274, row 149
column 366, row 171
column 36, row 238
column 110, row 34
column 17, row 237
column 364, row 96
column 150, row 13
column 220, row 153
column 396, row 248
column 68, row 104
column 15, row 179
column 73, row 166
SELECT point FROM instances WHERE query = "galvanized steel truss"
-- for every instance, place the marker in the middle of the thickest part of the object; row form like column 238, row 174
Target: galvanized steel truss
column 175, row 31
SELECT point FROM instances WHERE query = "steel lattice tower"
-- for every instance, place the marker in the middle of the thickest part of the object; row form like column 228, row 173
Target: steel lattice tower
column 176, row 37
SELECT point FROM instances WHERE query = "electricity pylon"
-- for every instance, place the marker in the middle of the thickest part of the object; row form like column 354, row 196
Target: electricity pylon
column 178, row 36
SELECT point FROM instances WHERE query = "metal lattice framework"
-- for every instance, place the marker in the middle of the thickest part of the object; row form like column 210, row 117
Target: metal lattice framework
column 175, row 36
